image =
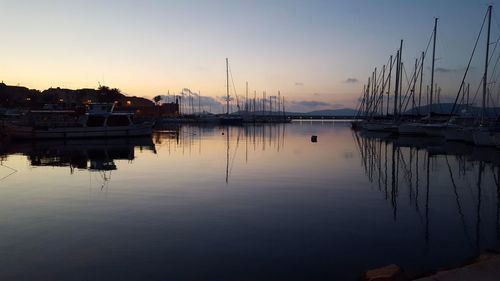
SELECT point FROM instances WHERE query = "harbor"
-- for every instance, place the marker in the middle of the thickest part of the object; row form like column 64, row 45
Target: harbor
column 257, row 141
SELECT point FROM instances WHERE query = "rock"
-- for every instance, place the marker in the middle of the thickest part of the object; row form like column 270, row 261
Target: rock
column 387, row 273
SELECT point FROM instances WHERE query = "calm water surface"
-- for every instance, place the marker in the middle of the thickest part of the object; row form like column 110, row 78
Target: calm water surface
column 248, row 203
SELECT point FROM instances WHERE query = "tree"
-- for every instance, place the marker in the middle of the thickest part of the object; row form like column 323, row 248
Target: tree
column 157, row 100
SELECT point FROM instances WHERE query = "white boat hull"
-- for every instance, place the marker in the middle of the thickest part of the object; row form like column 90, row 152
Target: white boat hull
column 25, row 132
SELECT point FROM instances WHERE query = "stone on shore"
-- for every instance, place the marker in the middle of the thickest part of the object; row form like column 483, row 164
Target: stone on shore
column 387, row 273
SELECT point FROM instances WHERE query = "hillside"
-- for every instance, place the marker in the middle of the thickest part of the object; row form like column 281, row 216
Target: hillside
column 332, row 112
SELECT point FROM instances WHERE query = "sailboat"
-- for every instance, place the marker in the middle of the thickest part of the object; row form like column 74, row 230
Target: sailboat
column 419, row 128
column 228, row 119
column 377, row 123
column 483, row 136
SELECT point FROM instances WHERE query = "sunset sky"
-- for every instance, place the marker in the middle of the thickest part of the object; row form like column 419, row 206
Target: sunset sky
column 317, row 53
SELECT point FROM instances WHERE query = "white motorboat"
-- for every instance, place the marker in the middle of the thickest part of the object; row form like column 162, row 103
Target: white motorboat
column 99, row 121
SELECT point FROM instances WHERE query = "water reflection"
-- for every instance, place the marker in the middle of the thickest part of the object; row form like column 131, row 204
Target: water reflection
column 229, row 200
column 414, row 171
column 249, row 139
column 92, row 155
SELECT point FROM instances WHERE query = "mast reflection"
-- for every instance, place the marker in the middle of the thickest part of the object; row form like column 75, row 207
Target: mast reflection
column 466, row 173
column 188, row 139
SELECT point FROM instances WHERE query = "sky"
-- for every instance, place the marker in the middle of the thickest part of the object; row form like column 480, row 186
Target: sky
column 318, row 54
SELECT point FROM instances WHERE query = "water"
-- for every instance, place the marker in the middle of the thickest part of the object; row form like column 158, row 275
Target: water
column 249, row 203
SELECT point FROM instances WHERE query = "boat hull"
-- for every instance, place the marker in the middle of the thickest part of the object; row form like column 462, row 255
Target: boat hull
column 381, row 127
column 231, row 120
column 435, row 130
column 483, row 138
column 414, row 129
column 459, row 134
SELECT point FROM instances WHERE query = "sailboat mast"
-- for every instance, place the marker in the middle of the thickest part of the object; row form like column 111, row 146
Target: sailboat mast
column 389, row 86
column 414, row 87
column 433, row 60
column 227, row 87
column 421, row 78
column 485, row 78
column 381, row 95
column 396, row 88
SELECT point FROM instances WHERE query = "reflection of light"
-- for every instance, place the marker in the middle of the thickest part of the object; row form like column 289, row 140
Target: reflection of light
column 28, row 99
column 61, row 100
column 129, row 102
column 89, row 101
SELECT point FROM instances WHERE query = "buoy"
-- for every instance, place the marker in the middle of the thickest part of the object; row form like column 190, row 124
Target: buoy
column 314, row 138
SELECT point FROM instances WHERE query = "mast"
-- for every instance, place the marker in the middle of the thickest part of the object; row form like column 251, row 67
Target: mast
column 368, row 94
column 374, row 91
column 433, row 60
column 279, row 103
column 227, row 87
column 413, row 88
column 382, row 91
column 396, row 86
column 421, row 78
column 254, row 99
column 283, row 106
column 270, row 105
column 263, row 101
column 389, row 86
column 485, row 78
column 246, row 98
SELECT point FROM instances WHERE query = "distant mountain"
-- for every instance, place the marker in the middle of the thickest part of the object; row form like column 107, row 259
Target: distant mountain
column 327, row 112
column 332, row 112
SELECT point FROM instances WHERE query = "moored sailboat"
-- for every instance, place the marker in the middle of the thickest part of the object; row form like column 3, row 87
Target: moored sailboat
column 228, row 119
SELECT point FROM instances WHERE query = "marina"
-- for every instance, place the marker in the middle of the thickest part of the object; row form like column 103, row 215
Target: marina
column 250, row 140
column 479, row 126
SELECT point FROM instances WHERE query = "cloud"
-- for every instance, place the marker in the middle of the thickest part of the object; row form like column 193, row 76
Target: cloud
column 351, row 80
column 224, row 98
column 452, row 70
column 205, row 102
column 310, row 105
column 299, row 84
